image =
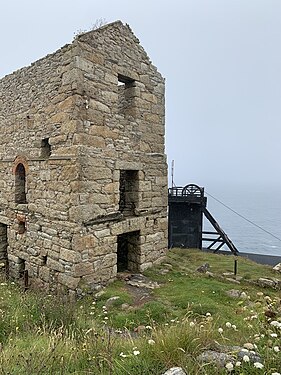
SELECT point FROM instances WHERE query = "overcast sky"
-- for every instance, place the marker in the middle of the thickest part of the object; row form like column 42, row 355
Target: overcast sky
column 222, row 64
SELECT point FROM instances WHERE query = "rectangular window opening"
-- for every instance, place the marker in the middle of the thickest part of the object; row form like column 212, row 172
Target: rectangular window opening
column 128, row 192
column 125, row 81
column 21, row 227
column 128, row 252
column 44, row 260
column 126, row 95
column 45, row 148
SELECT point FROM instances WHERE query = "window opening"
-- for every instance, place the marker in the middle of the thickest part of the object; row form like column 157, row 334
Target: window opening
column 44, row 260
column 20, row 184
column 128, row 192
column 125, row 81
column 45, row 148
column 128, row 252
column 126, row 94
column 21, row 227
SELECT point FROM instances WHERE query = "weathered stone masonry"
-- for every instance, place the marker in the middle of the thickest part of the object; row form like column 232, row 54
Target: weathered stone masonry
column 83, row 171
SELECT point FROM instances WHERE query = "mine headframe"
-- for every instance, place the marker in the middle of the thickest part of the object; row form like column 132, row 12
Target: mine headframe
column 187, row 205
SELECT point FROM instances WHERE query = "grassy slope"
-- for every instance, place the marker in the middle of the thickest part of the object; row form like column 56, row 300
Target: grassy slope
column 169, row 327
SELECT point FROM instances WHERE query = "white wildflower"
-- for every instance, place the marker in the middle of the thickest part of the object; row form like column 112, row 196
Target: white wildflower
column 276, row 349
column 234, row 327
column 274, row 323
column 136, row 352
column 151, row 342
column 123, row 355
column 229, row 366
column 238, row 364
column 273, row 334
column 275, row 373
column 208, row 314
column 258, row 365
column 191, row 324
column 246, row 358
column 228, row 325
column 220, row 330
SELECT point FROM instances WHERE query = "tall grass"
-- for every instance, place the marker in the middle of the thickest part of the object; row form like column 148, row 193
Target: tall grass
column 188, row 314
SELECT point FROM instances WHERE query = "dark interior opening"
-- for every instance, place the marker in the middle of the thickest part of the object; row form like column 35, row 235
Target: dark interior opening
column 44, row 260
column 125, row 81
column 21, row 268
column 128, row 192
column 20, row 182
column 21, row 227
column 3, row 248
column 45, row 148
column 128, row 252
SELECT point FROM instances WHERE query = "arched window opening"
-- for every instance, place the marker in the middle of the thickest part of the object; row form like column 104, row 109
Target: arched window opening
column 20, row 184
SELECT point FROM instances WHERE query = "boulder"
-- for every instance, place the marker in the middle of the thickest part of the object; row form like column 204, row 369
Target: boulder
column 220, row 359
column 277, row 267
column 266, row 282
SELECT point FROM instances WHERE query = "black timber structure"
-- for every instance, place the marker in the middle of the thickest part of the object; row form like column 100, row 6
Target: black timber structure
column 187, row 205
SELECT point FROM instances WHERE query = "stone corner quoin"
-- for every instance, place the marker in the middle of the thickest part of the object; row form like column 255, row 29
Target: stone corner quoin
column 83, row 170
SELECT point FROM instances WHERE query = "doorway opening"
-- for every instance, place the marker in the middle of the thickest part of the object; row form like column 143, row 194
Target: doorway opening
column 4, row 247
column 128, row 252
column 21, row 267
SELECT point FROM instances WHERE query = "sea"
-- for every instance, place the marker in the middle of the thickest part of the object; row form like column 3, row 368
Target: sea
column 251, row 217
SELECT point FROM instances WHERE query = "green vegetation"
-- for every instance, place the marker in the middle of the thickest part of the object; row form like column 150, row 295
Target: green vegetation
column 145, row 331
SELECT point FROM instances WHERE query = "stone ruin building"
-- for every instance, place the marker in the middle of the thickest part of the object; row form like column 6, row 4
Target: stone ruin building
column 83, row 170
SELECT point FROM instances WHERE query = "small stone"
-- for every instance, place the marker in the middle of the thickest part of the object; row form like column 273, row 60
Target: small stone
column 125, row 306
column 204, row 268
column 111, row 300
column 234, row 293
column 228, row 274
column 139, row 329
column 175, row 371
column 99, row 294
column 232, row 280
column 164, row 271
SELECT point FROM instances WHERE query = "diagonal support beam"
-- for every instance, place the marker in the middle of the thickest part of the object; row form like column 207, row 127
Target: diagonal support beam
column 223, row 236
